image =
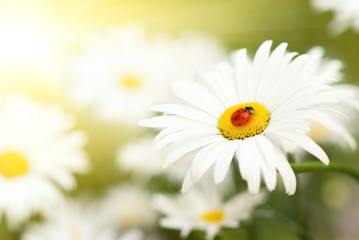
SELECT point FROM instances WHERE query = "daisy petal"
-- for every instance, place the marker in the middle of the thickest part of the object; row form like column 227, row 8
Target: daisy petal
column 222, row 166
column 307, row 144
column 190, row 145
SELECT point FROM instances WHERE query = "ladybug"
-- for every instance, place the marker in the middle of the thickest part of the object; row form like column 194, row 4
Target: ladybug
column 241, row 116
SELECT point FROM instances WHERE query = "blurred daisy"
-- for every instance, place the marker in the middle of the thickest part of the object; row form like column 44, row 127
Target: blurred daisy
column 129, row 207
column 140, row 157
column 122, row 73
column 192, row 52
column 334, row 127
column 144, row 161
column 245, row 111
column 72, row 220
column 204, row 209
column 346, row 13
column 37, row 149
column 325, row 68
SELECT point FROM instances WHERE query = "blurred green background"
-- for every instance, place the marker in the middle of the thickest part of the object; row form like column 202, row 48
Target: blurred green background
column 328, row 208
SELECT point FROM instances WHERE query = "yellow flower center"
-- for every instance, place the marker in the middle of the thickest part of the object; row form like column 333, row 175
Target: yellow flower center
column 244, row 120
column 12, row 164
column 317, row 131
column 130, row 82
column 213, row 216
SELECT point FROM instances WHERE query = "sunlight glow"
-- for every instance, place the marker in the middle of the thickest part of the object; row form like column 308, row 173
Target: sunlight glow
column 24, row 41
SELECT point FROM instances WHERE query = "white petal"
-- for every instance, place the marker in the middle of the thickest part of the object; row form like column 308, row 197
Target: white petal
column 267, row 161
column 248, row 165
column 269, row 176
column 190, row 145
column 339, row 130
column 307, row 144
column 226, row 78
column 186, row 133
column 187, row 112
column 197, row 96
column 243, row 75
column 243, row 157
column 267, row 150
column 206, row 158
column 157, row 122
column 286, row 171
column 222, row 165
column 260, row 61
column 242, row 203
column 188, row 181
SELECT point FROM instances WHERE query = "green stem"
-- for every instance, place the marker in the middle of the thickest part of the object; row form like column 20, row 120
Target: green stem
column 332, row 167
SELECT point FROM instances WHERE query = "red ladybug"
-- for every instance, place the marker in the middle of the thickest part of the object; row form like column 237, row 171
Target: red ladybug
column 241, row 116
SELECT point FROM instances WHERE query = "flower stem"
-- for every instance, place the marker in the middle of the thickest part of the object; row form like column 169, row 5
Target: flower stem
column 333, row 167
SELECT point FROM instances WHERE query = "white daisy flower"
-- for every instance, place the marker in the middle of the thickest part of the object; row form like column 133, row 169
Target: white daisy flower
column 122, row 73
column 129, row 207
column 140, row 157
column 192, row 52
column 144, row 161
column 245, row 111
column 72, row 220
column 37, row 149
column 326, row 129
column 346, row 13
column 204, row 209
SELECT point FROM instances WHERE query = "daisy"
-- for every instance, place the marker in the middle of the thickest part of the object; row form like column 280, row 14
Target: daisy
column 144, row 161
column 122, row 73
column 37, row 152
column 346, row 13
column 72, row 220
column 140, row 157
column 245, row 111
column 129, row 207
column 204, row 209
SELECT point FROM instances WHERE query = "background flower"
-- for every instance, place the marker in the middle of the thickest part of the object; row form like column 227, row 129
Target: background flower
column 345, row 11
column 37, row 149
column 204, row 209
column 122, row 73
column 72, row 220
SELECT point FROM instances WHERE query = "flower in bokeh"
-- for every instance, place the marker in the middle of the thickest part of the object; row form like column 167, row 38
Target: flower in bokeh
column 122, row 73
column 204, row 209
column 144, row 161
column 128, row 206
column 37, row 149
column 245, row 111
column 346, row 13
column 140, row 157
column 72, row 220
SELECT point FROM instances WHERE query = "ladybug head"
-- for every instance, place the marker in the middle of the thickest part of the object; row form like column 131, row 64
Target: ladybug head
column 250, row 110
